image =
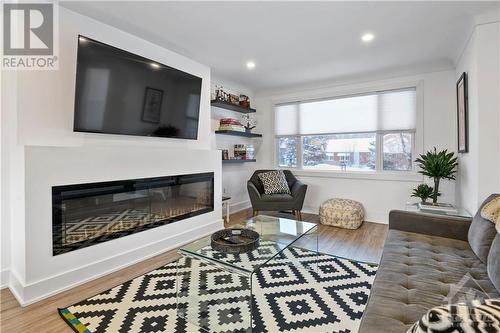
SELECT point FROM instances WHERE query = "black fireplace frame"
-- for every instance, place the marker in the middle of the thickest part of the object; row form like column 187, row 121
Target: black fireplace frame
column 120, row 186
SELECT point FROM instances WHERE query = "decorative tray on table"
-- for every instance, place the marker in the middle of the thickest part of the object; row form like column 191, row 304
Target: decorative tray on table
column 235, row 240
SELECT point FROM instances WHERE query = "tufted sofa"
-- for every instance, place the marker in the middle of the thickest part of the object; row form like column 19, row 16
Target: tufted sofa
column 425, row 258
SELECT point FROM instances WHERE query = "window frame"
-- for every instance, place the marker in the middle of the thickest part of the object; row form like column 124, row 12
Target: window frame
column 379, row 172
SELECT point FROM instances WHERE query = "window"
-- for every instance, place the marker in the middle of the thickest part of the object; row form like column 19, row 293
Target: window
column 354, row 152
column 287, row 151
column 397, row 151
column 368, row 132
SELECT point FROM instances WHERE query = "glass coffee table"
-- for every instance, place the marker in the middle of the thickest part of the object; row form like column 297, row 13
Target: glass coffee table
column 215, row 289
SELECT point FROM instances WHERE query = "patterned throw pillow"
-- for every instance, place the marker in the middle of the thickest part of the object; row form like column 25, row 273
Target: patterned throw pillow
column 476, row 317
column 491, row 211
column 274, row 182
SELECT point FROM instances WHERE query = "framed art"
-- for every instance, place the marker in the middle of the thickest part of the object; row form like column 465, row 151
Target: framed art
column 151, row 111
column 462, row 114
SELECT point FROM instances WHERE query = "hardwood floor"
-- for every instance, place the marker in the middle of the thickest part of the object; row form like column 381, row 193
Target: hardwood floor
column 364, row 244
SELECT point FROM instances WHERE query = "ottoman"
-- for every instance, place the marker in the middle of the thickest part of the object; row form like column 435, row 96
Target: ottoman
column 343, row 213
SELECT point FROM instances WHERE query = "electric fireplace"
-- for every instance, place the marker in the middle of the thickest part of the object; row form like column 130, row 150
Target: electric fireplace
column 92, row 213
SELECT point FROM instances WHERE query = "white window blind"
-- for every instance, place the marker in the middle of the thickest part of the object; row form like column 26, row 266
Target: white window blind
column 286, row 121
column 380, row 111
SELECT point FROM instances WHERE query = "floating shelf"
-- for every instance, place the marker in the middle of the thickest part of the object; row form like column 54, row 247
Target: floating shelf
column 236, row 133
column 231, row 106
column 238, row 161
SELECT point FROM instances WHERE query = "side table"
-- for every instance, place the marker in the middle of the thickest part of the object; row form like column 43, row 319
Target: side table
column 459, row 211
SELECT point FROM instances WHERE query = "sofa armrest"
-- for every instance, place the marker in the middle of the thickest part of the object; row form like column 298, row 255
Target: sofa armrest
column 298, row 188
column 253, row 192
column 299, row 192
column 430, row 224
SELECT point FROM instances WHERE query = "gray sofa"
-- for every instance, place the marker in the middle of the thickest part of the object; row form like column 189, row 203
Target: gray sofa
column 277, row 202
column 425, row 258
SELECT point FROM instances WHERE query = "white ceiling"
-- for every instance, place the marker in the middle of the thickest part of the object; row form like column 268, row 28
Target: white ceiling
column 299, row 42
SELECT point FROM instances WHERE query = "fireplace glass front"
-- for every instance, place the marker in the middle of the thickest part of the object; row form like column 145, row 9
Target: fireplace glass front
column 87, row 214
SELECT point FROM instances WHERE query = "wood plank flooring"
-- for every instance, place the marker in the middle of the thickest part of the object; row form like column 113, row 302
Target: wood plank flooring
column 364, row 244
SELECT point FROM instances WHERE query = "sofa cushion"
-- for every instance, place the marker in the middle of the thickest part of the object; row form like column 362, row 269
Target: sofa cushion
column 418, row 272
column 491, row 210
column 494, row 262
column 274, row 182
column 276, row 197
column 482, row 232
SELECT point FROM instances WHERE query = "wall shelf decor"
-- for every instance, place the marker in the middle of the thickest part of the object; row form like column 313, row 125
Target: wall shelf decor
column 232, row 107
column 237, row 133
column 238, row 161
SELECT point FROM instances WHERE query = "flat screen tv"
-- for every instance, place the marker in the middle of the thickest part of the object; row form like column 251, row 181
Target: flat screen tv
column 118, row 92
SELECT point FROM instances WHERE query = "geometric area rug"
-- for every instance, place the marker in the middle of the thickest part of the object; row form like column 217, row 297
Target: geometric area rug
column 288, row 298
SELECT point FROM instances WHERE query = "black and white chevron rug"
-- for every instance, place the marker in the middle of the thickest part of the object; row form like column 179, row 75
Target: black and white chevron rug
column 298, row 292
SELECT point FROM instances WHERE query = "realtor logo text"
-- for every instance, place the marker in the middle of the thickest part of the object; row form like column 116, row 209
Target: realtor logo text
column 28, row 36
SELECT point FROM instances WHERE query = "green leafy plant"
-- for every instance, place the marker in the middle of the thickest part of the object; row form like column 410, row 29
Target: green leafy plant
column 422, row 191
column 437, row 165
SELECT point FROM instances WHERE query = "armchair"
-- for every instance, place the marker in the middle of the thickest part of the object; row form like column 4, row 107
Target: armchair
column 277, row 202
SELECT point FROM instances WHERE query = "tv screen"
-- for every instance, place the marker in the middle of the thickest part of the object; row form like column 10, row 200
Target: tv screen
column 118, row 92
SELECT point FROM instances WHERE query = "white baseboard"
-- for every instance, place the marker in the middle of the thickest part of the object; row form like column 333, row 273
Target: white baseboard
column 4, row 278
column 239, row 206
column 28, row 293
column 310, row 210
column 16, row 287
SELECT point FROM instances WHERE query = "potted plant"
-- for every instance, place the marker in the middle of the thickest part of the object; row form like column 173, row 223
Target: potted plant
column 422, row 191
column 437, row 165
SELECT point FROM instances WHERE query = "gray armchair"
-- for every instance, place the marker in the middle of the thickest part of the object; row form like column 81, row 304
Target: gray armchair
column 277, row 202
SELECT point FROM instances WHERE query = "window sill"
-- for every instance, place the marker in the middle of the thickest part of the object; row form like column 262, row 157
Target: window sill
column 383, row 176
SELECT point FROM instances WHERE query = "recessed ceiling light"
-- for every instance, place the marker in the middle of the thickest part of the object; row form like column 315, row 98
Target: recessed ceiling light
column 250, row 65
column 367, row 37
column 155, row 65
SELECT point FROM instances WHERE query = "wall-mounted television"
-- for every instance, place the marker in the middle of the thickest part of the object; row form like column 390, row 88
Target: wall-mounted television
column 118, row 92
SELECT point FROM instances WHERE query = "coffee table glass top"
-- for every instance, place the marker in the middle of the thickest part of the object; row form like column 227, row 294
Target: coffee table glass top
column 276, row 234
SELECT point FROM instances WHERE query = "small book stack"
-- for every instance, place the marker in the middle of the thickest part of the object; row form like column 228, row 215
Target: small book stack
column 231, row 124
column 244, row 152
column 240, row 152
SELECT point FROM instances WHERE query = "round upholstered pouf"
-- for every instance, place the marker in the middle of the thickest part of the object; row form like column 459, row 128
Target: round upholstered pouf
column 343, row 213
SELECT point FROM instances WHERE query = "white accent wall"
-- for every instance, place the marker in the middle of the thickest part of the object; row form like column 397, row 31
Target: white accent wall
column 40, row 149
column 436, row 126
column 479, row 174
column 52, row 166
